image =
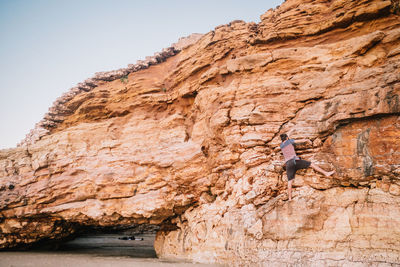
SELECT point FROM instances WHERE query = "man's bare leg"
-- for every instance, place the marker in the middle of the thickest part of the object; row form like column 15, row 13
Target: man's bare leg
column 290, row 189
column 318, row 169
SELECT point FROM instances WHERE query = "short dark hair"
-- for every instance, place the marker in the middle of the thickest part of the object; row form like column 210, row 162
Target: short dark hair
column 284, row 137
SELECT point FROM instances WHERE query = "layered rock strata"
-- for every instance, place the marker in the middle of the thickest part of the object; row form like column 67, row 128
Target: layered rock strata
column 192, row 144
column 60, row 109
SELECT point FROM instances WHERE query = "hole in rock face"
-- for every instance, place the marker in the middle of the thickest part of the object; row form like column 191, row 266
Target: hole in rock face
column 136, row 242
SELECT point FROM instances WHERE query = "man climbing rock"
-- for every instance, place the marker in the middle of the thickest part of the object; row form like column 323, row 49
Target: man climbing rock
column 294, row 163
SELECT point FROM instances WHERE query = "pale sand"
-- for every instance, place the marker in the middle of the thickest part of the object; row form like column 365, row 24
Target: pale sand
column 40, row 259
column 96, row 251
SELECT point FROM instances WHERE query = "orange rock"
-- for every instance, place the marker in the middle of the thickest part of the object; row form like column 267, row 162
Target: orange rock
column 190, row 141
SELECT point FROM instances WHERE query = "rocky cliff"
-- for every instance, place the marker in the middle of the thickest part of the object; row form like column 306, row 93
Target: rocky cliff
column 189, row 140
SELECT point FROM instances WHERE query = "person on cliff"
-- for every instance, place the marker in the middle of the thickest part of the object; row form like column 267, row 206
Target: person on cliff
column 294, row 163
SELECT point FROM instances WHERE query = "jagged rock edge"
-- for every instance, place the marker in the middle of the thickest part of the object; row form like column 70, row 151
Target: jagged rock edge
column 57, row 112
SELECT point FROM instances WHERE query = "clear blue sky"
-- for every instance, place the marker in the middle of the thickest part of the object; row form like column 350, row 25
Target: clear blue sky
column 48, row 46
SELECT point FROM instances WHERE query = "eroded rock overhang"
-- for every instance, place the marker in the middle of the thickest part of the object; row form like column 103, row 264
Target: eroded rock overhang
column 194, row 138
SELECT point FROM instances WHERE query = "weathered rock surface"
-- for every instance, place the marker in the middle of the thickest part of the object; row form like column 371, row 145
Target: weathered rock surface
column 60, row 110
column 191, row 143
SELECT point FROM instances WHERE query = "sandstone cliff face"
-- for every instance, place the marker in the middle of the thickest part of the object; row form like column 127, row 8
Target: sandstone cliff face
column 191, row 142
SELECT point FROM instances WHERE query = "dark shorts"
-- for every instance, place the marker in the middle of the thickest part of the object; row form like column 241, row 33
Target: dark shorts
column 291, row 167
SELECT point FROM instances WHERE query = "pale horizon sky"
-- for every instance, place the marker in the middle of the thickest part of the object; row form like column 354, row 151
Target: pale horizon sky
column 48, row 46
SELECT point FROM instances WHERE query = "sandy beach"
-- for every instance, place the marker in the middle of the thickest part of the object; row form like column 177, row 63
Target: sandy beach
column 98, row 251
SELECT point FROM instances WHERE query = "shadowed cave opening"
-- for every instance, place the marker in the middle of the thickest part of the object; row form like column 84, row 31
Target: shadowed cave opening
column 128, row 241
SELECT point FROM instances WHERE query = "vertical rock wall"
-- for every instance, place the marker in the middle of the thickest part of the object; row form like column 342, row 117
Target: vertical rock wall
column 192, row 144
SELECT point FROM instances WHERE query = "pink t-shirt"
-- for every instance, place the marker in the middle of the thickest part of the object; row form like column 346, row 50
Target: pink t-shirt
column 288, row 150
